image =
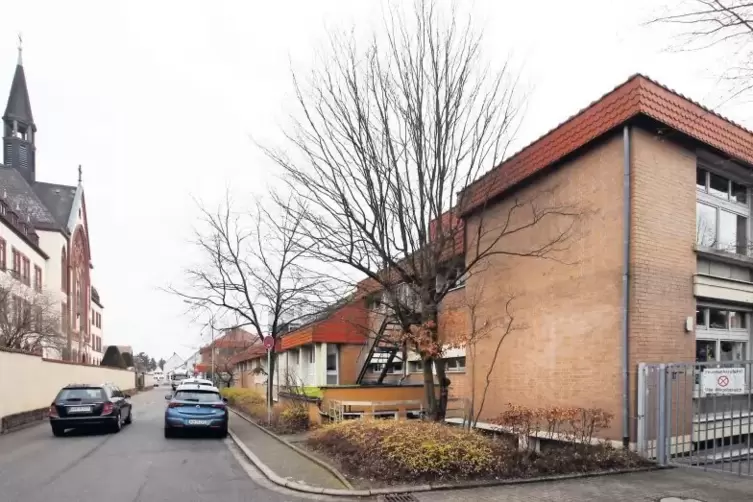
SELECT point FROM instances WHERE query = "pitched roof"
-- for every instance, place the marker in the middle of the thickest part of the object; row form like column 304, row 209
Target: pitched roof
column 18, row 193
column 639, row 95
column 19, row 105
column 57, row 198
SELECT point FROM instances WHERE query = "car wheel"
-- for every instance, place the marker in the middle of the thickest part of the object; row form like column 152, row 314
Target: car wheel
column 118, row 423
column 223, row 433
column 129, row 419
column 58, row 431
column 168, row 432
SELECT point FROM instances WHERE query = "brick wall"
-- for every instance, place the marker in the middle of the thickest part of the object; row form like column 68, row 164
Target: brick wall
column 662, row 258
column 564, row 349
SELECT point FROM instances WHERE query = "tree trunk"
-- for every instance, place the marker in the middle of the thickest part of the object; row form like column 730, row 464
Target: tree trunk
column 429, row 392
column 444, row 391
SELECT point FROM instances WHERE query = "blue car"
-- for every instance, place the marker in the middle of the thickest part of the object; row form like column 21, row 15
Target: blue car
column 196, row 408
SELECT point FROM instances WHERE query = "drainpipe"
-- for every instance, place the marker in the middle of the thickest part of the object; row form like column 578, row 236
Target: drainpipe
column 626, row 288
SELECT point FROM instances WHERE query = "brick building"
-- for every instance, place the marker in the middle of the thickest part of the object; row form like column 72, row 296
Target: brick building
column 643, row 266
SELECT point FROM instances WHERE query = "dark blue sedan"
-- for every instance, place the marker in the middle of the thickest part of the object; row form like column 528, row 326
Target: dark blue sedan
column 196, row 408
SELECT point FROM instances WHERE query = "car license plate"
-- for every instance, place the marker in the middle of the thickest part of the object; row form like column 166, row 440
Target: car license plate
column 198, row 422
column 79, row 409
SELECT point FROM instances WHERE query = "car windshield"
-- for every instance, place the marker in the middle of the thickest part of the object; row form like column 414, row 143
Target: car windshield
column 197, row 396
column 80, row 394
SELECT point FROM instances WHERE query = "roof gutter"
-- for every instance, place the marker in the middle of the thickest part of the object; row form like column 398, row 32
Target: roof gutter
column 626, row 218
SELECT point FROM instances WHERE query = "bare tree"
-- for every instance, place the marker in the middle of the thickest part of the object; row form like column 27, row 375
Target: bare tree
column 728, row 23
column 253, row 271
column 389, row 142
column 29, row 320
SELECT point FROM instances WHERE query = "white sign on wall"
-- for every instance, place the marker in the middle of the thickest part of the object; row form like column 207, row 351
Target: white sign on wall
column 724, row 381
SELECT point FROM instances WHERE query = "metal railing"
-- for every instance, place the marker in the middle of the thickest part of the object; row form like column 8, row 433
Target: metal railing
column 697, row 415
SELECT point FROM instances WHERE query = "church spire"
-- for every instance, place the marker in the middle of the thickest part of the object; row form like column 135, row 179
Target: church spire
column 19, row 151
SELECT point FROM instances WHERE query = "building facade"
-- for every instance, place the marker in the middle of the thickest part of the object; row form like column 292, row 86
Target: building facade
column 56, row 244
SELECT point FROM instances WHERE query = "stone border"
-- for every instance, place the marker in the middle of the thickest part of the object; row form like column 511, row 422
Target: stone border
column 292, row 485
column 301, row 451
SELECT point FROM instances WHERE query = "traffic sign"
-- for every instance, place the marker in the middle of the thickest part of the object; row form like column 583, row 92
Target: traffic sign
column 727, row 380
column 269, row 342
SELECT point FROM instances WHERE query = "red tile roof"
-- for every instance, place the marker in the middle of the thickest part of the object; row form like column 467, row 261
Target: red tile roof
column 639, row 95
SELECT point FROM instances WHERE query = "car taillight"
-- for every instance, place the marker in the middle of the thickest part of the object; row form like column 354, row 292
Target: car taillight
column 174, row 405
column 53, row 411
column 107, row 408
column 220, row 406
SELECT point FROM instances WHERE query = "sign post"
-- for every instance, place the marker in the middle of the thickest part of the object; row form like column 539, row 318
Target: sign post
column 269, row 344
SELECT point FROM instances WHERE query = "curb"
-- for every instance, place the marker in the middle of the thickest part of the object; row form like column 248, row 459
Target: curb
column 292, row 485
column 342, row 479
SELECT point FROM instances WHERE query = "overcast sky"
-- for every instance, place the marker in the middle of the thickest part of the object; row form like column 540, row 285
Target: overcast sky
column 158, row 102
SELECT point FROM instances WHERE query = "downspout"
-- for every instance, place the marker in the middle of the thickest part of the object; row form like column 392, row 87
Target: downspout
column 627, row 213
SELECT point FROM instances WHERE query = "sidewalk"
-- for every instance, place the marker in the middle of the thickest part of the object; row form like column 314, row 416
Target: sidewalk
column 284, row 461
column 681, row 483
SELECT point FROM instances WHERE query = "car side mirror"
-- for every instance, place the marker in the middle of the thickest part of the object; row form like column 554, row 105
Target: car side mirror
column 224, row 400
column 168, row 397
column 127, row 396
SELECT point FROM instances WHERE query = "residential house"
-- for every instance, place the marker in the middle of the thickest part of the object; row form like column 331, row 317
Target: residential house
column 220, row 353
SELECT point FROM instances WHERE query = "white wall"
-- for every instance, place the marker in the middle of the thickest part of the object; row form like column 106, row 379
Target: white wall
column 36, row 381
column 14, row 241
column 52, row 243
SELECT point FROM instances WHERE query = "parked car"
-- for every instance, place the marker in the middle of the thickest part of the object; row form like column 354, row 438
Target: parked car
column 196, row 381
column 84, row 406
column 198, row 408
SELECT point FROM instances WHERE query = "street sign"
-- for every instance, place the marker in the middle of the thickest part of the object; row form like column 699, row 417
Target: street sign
column 269, row 342
column 724, row 381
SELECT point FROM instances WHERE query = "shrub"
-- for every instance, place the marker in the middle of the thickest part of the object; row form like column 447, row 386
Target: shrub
column 409, row 450
column 577, row 425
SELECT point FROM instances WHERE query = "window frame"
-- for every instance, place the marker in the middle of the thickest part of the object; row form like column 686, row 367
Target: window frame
column 717, row 335
column 719, row 204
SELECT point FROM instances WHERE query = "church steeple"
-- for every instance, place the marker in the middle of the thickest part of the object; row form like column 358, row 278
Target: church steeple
column 19, row 151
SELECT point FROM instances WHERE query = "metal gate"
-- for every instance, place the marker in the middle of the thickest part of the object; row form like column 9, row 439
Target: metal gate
column 697, row 415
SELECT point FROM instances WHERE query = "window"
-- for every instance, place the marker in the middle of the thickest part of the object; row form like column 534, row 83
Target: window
column 26, row 271
column 312, row 357
column 63, row 272
column 16, row 263
column 333, row 351
column 416, row 366
column 455, row 364
column 721, row 334
column 721, row 213
column 2, row 255
column 37, row 278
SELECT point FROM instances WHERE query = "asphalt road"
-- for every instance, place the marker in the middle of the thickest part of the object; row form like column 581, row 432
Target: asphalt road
column 135, row 465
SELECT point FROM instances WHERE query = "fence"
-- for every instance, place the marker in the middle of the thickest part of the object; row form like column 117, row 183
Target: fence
column 697, row 415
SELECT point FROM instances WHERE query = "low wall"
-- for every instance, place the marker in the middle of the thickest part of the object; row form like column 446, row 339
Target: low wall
column 29, row 383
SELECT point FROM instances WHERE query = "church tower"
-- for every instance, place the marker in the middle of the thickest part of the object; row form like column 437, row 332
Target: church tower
column 19, row 129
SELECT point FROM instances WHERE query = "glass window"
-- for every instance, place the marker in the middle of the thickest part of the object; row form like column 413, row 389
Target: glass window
column 705, row 225
column 197, row 396
column 700, row 318
column 732, row 234
column 718, row 185
column 739, row 193
column 718, row 319
column 80, row 394
column 737, row 320
column 705, row 350
column 732, row 351
column 700, row 179
column 331, row 357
